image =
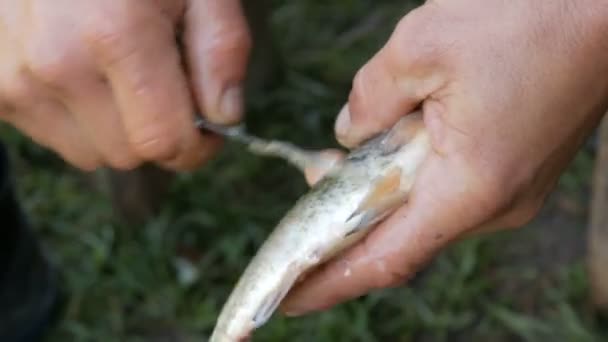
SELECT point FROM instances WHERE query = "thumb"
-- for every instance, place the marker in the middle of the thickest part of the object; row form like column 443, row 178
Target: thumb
column 325, row 162
column 218, row 43
column 390, row 85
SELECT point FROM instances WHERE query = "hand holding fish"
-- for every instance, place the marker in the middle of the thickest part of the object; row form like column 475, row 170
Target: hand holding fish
column 508, row 91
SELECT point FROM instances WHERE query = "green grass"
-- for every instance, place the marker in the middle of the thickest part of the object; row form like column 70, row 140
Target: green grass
column 167, row 279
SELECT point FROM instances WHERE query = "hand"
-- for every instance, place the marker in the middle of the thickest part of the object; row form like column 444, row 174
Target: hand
column 103, row 82
column 509, row 90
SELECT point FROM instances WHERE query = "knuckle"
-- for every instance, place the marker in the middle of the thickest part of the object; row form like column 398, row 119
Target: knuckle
column 415, row 42
column 414, row 21
column 112, row 40
column 55, row 72
column 112, row 46
column 54, row 62
column 228, row 42
column 51, row 65
column 154, row 142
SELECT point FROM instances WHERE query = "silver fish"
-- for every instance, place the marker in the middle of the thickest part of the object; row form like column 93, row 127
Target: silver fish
column 353, row 197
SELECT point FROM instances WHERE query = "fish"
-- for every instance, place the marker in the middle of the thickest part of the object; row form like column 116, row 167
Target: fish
column 356, row 194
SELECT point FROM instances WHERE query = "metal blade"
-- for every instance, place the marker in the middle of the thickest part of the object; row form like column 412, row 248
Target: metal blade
column 296, row 156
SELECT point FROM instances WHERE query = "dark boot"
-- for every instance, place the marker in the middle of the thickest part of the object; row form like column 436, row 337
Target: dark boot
column 29, row 295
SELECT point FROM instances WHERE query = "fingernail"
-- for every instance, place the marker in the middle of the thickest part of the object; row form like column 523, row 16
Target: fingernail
column 343, row 122
column 231, row 105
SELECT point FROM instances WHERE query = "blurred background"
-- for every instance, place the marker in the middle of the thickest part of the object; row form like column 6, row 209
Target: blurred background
column 166, row 279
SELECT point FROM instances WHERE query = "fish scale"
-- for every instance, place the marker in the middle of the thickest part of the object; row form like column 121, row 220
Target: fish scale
column 339, row 210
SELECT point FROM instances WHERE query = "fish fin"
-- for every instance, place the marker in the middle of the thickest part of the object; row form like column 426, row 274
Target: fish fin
column 373, row 217
column 406, row 129
column 367, row 219
column 381, row 200
column 273, row 299
column 383, row 191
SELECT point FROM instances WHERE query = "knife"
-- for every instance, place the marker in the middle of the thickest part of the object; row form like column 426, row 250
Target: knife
column 289, row 152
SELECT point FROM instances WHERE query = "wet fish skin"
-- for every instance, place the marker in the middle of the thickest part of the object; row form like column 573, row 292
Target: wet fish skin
column 339, row 210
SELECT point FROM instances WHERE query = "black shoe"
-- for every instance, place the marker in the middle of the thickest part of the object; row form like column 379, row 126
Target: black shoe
column 30, row 300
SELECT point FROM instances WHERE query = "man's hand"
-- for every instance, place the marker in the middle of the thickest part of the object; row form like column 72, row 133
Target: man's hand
column 105, row 83
column 509, row 90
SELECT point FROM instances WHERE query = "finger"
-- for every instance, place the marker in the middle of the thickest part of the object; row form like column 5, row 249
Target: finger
column 326, row 161
column 141, row 61
column 68, row 74
column 397, row 248
column 94, row 110
column 66, row 139
column 393, row 83
column 46, row 121
column 217, row 43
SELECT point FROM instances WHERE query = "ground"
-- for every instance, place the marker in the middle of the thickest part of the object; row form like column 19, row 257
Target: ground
column 166, row 280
